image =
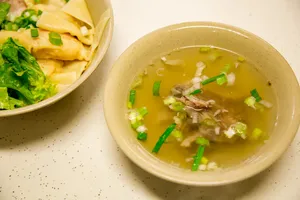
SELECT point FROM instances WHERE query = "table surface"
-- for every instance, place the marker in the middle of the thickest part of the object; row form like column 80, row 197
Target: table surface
column 73, row 156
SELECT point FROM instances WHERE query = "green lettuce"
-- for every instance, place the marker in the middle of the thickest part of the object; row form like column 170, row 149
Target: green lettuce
column 4, row 9
column 21, row 74
column 7, row 102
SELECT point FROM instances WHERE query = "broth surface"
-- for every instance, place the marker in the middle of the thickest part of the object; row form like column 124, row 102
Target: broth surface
column 160, row 116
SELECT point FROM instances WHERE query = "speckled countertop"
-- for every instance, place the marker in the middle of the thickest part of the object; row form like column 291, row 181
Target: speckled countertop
column 66, row 152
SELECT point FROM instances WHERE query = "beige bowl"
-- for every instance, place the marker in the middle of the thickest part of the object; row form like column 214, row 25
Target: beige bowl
column 96, row 8
column 266, row 58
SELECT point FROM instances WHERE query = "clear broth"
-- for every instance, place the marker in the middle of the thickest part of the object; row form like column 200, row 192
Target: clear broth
column 160, row 116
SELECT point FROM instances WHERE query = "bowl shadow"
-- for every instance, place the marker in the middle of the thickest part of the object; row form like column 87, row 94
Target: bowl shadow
column 173, row 191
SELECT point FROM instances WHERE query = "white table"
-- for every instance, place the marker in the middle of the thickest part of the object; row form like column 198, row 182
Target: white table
column 66, row 151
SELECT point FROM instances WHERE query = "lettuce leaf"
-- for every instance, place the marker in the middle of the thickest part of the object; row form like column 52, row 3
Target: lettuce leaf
column 20, row 72
column 4, row 9
column 7, row 102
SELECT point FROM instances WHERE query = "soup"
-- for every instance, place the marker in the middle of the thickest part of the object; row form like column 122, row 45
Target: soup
column 202, row 108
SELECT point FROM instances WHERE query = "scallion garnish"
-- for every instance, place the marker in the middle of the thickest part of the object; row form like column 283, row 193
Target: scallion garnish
column 177, row 106
column 142, row 136
column 132, row 95
column 196, row 92
column 28, row 13
column 163, row 138
column 202, row 141
column 212, row 79
column 221, row 80
column 8, row 26
column 135, row 124
column 55, row 39
column 15, row 27
column 256, row 134
column 143, row 111
column 250, row 101
column 197, row 158
column 39, row 12
column 177, row 134
column 255, row 94
column 156, row 88
column 34, row 33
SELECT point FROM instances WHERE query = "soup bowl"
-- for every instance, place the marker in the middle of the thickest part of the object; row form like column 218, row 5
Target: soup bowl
column 268, row 61
column 99, row 10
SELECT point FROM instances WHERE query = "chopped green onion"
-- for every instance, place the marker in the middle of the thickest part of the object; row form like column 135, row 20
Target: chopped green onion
column 177, row 106
column 204, row 49
column 15, row 27
column 67, row 1
column 34, row 18
column 55, row 39
column 204, row 160
column 226, row 68
column 28, row 13
column 202, row 141
column 30, row 26
column 19, row 20
column 222, row 80
column 198, row 157
column 169, row 100
column 142, row 136
column 156, row 88
column 135, row 124
column 241, row 59
column 196, row 92
column 256, row 134
column 8, row 26
column 132, row 95
column 37, row 1
column 39, row 13
column 143, row 111
column 163, row 138
column 177, row 134
column 259, row 107
column 22, row 22
column 241, row 129
column 250, row 101
column 255, row 94
column 34, row 33
column 212, row 79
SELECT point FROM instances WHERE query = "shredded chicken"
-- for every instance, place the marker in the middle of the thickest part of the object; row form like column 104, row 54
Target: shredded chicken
column 205, row 118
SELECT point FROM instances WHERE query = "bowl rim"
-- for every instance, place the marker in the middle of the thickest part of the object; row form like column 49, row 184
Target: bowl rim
column 133, row 156
column 77, row 83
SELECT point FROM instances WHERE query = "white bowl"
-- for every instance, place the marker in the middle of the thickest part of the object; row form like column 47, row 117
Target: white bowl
column 96, row 8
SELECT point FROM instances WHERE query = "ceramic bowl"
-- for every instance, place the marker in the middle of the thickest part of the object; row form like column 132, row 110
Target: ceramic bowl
column 96, row 8
column 263, row 55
